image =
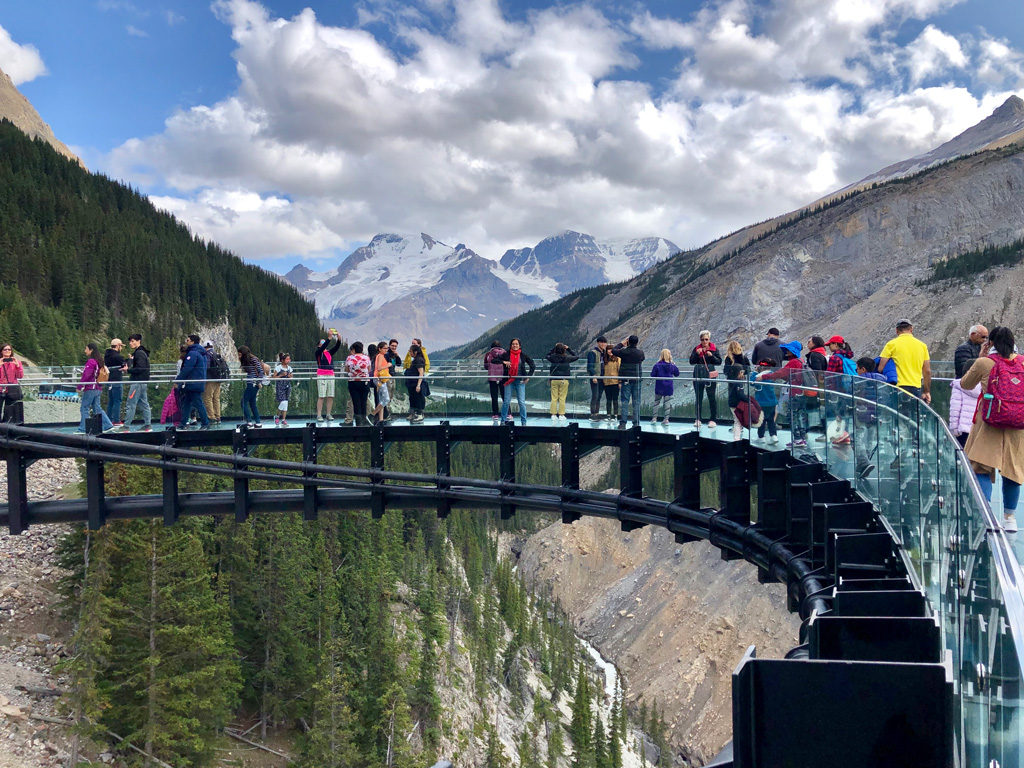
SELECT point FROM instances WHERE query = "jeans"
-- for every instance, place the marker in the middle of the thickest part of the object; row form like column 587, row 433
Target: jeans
column 519, row 387
column 138, row 396
column 1011, row 491
column 11, row 409
column 611, row 394
column 662, row 403
column 915, row 391
column 798, row 419
column 91, row 405
column 358, row 391
column 114, row 402
column 769, row 421
column 630, row 391
column 596, row 387
column 194, row 399
column 249, row 411
column 496, row 391
column 559, row 391
column 699, row 389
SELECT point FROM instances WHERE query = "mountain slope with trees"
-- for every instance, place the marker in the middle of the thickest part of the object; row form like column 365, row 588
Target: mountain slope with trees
column 84, row 258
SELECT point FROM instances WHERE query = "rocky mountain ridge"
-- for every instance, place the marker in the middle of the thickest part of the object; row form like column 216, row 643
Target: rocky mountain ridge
column 16, row 108
column 852, row 264
column 415, row 285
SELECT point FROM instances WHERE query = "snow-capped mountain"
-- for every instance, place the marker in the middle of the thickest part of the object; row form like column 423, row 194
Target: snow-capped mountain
column 574, row 260
column 414, row 285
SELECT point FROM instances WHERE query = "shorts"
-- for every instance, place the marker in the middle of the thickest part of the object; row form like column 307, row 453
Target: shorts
column 325, row 386
column 383, row 396
column 282, row 405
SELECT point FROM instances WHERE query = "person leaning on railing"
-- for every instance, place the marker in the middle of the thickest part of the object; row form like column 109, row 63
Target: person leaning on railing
column 996, row 441
column 11, row 373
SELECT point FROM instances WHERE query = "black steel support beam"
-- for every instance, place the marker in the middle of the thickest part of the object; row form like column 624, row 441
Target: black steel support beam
column 507, row 466
column 95, row 494
column 17, row 491
column 169, row 476
column 240, row 447
column 310, row 451
column 377, row 452
column 443, row 455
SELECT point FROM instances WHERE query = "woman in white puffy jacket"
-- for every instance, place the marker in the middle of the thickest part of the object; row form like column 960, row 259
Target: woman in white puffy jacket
column 962, row 405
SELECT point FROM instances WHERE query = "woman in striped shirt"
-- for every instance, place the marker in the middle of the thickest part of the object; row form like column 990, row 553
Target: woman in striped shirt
column 254, row 373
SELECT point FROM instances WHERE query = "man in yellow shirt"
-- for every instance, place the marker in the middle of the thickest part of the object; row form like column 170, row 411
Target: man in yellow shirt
column 913, row 366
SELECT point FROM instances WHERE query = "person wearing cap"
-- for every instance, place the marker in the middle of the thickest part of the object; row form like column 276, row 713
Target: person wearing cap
column 116, row 364
column 836, row 405
column 913, row 365
column 138, row 390
column 325, row 353
column 595, row 370
column 217, row 370
column 769, row 348
column 629, row 353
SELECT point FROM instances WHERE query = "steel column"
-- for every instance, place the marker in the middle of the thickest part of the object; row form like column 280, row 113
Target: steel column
column 172, row 505
column 240, row 447
column 17, row 491
column 310, row 497
column 443, row 455
column 507, row 466
column 96, row 494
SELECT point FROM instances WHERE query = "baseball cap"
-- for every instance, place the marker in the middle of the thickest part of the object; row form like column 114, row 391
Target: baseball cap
column 837, row 340
column 116, row 343
column 208, row 344
column 602, row 339
column 904, row 321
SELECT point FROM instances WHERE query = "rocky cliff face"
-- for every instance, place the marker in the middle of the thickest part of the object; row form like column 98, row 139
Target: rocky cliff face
column 17, row 109
column 675, row 619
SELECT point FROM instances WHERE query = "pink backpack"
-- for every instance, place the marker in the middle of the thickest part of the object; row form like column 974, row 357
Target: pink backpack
column 1003, row 404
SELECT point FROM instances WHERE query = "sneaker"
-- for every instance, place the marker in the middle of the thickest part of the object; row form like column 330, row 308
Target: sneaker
column 797, row 444
column 1010, row 523
column 696, row 424
column 654, row 419
column 774, row 439
column 370, row 421
column 496, row 419
column 111, row 428
column 843, row 438
column 866, row 471
column 554, row 417
column 596, row 417
column 347, row 422
column 257, row 425
column 418, row 418
column 712, row 425
column 277, row 421
column 664, row 422
column 204, row 428
column 80, row 432
column 146, row 428
column 622, row 425
column 118, row 423
column 284, row 423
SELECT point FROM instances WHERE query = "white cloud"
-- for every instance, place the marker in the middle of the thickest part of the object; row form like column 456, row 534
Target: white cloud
column 134, row 31
column 497, row 132
column 22, row 63
column 934, row 52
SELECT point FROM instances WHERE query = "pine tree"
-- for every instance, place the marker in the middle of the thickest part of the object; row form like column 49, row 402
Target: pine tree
column 556, row 745
column 495, row 756
column 598, row 745
column 580, row 727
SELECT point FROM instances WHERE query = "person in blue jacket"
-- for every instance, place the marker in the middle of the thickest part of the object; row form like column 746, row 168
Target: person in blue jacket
column 663, row 372
column 192, row 381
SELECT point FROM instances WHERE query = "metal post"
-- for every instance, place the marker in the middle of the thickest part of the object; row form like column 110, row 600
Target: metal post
column 240, row 447
column 507, row 465
column 96, row 504
column 310, row 498
column 17, row 491
column 443, row 451
column 172, row 505
column 571, row 465
column 377, row 462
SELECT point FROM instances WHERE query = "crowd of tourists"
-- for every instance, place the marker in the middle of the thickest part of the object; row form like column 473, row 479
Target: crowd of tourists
column 986, row 405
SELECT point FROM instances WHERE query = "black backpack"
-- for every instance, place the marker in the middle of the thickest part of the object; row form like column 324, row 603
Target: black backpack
column 218, row 367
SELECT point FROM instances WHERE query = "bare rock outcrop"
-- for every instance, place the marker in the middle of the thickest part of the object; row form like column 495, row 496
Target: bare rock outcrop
column 674, row 619
column 16, row 108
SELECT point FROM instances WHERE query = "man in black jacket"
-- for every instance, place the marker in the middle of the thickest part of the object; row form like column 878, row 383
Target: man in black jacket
column 970, row 350
column 768, row 349
column 629, row 352
column 138, row 390
column 116, row 365
column 595, row 370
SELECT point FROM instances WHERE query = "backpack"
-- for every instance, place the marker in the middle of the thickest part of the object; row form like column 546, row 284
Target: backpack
column 1003, row 404
column 748, row 414
column 219, row 367
column 102, row 374
column 849, row 366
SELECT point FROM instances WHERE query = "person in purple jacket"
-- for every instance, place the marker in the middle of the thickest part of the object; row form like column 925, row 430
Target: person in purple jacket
column 495, row 375
column 663, row 372
column 89, row 389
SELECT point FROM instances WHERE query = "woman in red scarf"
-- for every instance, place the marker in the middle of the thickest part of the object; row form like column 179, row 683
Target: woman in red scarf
column 519, row 367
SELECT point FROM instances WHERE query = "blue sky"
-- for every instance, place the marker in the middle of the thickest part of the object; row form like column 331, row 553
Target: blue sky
column 292, row 135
